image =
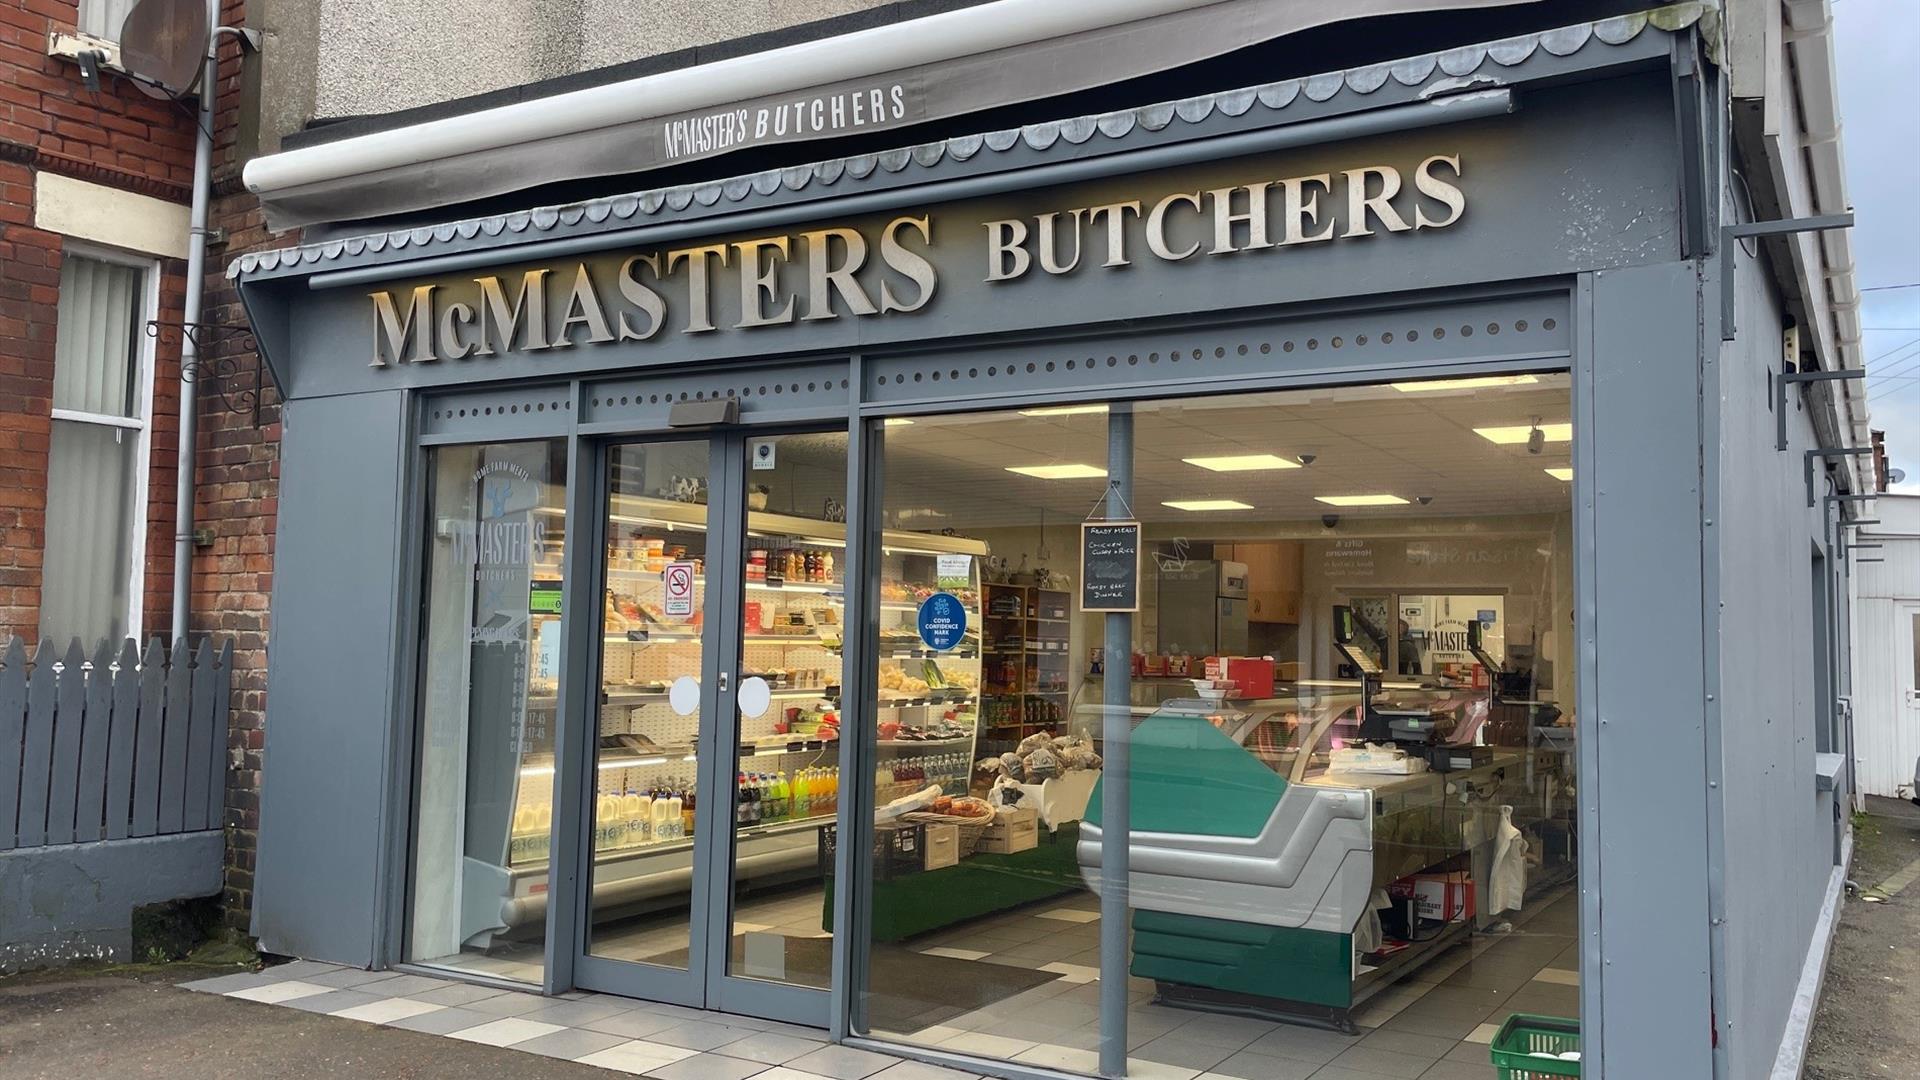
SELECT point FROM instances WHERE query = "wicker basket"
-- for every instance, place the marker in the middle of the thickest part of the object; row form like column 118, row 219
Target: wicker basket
column 971, row 828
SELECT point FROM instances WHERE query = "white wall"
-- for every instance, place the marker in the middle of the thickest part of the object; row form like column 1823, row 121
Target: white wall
column 1886, row 732
column 377, row 56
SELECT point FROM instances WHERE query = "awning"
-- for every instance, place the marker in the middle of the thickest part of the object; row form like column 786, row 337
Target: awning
column 940, row 66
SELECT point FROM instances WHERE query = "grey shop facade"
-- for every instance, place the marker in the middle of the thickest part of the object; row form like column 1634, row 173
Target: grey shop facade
column 610, row 532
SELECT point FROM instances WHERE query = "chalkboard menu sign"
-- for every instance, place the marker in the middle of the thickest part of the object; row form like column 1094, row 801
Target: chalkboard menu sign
column 1110, row 566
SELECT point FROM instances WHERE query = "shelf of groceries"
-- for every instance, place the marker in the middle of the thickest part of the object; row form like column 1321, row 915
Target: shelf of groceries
column 925, row 709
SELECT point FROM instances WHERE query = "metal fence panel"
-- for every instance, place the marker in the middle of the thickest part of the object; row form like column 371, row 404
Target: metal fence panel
column 89, row 815
column 69, row 722
column 13, row 719
column 173, row 748
column 36, row 749
column 146, row 777
column 118, row 746
column 120, row 742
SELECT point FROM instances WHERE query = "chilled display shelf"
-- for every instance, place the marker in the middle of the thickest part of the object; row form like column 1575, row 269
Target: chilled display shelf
column 668, row 847
column 928, row 654
column 936, row 744
column 924, row 702
column 830, row 589
column 657, row 637
column 669, row 514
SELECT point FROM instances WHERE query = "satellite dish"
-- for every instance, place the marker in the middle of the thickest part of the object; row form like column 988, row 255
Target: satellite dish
column 163, row 45
column 1896, row 476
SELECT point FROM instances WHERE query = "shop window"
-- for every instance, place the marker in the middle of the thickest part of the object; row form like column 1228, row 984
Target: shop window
column 489, row 666
column 97, row 452
column 1351, row 645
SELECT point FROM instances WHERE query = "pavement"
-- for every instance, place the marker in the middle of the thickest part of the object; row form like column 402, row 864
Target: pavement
column 1864, row 1027
column 64, row 1025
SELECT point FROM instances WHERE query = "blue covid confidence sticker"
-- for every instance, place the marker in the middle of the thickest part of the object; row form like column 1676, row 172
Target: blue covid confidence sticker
column 943, row 621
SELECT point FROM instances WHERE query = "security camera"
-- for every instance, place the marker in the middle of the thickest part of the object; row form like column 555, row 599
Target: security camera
column 1308, row 459
column 1330, row 520
column 1536, row 439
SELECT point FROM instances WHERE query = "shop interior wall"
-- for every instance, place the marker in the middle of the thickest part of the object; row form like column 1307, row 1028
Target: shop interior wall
column 318, row 885
column 1778, row 840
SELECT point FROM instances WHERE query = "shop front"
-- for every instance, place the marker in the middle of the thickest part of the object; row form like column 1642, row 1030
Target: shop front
column 1063, row 599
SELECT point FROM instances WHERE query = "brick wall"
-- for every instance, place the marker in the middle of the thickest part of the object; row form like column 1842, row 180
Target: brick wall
column 237, row 498
column 120, row 138
column 116, row 137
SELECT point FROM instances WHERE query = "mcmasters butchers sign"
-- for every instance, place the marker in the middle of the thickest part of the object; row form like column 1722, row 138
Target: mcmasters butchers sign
column 838, row 272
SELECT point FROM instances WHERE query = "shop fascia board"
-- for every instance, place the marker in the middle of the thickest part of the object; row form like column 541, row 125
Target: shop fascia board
column 1583, row 54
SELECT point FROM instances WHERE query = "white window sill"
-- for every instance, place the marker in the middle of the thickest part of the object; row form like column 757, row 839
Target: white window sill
column 70, row 46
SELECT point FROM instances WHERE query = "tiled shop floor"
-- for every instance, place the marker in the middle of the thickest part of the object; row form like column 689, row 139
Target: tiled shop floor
column 1434, row 1025
column 614, row 1033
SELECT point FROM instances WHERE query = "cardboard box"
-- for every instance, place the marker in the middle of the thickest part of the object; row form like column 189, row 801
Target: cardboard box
column 1013, row 831
column 1252, row 676
column 940, row 847
column 1444, row 897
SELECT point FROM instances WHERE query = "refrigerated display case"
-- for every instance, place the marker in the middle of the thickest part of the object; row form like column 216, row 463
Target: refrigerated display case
column 925, row 714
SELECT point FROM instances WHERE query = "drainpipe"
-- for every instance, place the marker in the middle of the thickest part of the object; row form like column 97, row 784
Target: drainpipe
column 190, row 316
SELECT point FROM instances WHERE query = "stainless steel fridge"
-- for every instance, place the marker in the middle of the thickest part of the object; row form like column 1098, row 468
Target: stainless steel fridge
column 1203, row 608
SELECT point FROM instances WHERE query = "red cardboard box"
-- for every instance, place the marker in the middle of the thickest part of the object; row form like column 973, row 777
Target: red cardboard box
column 1252, row 676
column 1444, row 897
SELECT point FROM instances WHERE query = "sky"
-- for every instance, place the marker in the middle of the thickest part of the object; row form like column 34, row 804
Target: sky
column 1876, row 49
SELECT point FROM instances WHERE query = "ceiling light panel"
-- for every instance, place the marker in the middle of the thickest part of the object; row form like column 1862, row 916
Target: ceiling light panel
column 1066, row 410
column 1361, row 500
column 1515, row 434
column 1242, row 462
column 1201, row 506
column 1561, row 474
column 1059, row 472
column 1478, row 382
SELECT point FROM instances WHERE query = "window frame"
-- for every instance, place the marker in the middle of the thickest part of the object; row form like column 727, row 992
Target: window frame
column 140, row 423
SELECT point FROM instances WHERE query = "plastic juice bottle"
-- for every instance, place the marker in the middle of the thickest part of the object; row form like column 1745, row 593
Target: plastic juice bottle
column 686, row 812
column 542, row 822
column 606, row 820
column 802, row 798
column 638, row 819
column 664, row 827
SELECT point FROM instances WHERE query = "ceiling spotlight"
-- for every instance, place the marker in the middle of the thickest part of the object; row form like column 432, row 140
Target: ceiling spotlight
column 1536, row 439
column 1423, row 500
column 1308, row 459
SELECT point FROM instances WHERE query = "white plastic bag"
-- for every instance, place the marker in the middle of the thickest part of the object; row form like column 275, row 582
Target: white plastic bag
column 1367, row 934
column 1509, row 885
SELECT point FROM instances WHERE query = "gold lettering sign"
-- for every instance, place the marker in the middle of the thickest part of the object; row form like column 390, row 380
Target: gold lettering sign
column 558, row 307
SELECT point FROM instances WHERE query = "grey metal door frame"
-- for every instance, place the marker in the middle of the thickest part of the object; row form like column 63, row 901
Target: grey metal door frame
column 705, row 982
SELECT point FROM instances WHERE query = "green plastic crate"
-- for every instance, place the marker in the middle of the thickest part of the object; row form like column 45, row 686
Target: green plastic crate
column 1523, row 1035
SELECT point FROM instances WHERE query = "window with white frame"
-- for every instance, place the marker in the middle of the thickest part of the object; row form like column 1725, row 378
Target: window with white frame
column 102, row 18
column 91, row 574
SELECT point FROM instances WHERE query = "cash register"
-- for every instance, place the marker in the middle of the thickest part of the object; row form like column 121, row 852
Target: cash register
column 1379, row 723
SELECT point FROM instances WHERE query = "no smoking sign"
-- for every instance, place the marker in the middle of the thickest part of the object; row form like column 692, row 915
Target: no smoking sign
column 678, row 579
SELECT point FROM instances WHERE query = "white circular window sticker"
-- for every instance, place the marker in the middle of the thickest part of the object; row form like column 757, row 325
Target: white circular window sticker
column 684, row 695
column 755, row 696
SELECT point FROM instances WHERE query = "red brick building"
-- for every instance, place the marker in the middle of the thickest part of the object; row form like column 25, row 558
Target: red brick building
column 95, row 187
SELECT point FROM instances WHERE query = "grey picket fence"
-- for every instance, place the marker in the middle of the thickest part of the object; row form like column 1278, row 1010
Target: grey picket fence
column 118, row 746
